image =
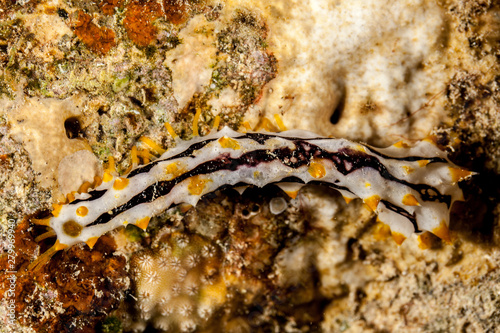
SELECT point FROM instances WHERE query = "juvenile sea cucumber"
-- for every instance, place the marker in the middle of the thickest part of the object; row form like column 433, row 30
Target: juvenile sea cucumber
column 410, row 188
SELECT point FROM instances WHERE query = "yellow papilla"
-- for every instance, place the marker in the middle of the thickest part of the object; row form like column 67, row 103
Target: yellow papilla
column 120, row 183
column 171, row 131
column 408, row 169
column 399, row 238
column 107, row 177
column 91, row 241
column 195, row 122
column 459, row 174
column 425, row 240
column 265, row 124
column 71, row 196
column 381, row 231
column 280, row 123
column 82, row 211
column 111, row 165
column 56, row 209
column 197, row 185
column 151, row 144
column 226, row 142
column 216, row 123
column 347, row 199
column 143, row 223
column 134, row 156
column 292, row 194
column 372, row 202
column 84, row 188
column 401, row 144
column 410, row 200
column 317, row 170
column 442, row 232
column 423, row 163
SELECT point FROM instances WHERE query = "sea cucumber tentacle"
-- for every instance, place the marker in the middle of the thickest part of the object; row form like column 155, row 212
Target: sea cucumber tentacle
column 410, row 188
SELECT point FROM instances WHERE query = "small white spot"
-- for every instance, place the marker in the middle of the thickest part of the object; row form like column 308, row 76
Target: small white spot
column 165, row 250
column 208, row 251
column 277, row 205
column 166, row 310
column 192, row 260
column 182, row 273
column 185, row 310
column 176, row 289
column 145, row 262
column 187, row 326
column 164, row 263
column 151, row 277
column 204, row 312
column 192, row 289
column 174, row 262
column 182, row 241
column 144, row 296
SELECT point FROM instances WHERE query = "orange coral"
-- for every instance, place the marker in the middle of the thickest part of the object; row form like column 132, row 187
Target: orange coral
column 139, row 21
column 98, row 39
column 177, row 11
column 76, row 286
column 108, row 6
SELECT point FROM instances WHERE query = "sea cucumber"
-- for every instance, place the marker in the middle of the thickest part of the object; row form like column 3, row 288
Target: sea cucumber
column 410, row 188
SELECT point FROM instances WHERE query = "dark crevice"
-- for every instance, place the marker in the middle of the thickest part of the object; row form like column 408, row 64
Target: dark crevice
column 339, row 108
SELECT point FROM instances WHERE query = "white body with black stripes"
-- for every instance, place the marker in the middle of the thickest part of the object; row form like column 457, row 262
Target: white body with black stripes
column 410, row 188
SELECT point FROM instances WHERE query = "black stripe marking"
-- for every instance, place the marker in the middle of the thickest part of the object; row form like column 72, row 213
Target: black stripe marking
column 401, row 211
column 345, row 160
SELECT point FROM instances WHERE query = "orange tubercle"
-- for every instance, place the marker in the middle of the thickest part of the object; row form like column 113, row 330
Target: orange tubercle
column 134, row 156
column 347, row 199
column 226, row 142
column 292, row 194
column 399, row 238
column 381, row 231
column 423, row 163
column 317, row 170
column 401, row 144
column 84, row 188
column 143, row 223
column 56, row 210
column 432, row 139
column 107, row 177
column 151, row 144
column 195, row 122
column 266, row 125
column 443, row 232
column 410, row 200
column 425, row 240
column 372, row 202
column 459, row 174
column 171, row 131
column 91, row 241
column 71, row 196
column 216, row 123
column 120, row 183
column 97, row 181
column 280, row 123
column 197, row 185
column 82, row 211
column 408, row 169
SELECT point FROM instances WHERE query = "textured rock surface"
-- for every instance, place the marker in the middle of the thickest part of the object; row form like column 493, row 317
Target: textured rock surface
column 98, row 75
